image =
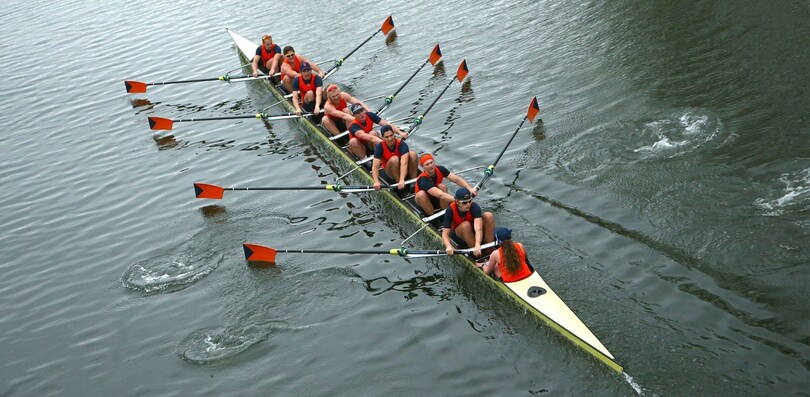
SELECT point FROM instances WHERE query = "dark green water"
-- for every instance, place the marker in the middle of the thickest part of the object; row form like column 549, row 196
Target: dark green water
column 666, row 198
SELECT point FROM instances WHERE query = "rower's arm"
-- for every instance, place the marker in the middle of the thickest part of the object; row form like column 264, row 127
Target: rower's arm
column 256, row 64
column 446, row 238
column 318, row 98
column 459, row 181
column 295, row 102
column 403, row 166
column 375, row 170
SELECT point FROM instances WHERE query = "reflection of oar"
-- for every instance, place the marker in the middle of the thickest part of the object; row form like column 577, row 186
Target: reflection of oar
column 386, row 27
column 530, row 115
column 137, row 87
column 208, row 191
column 258, row 253
column 434, row 57
column 460, row 75
column 160, row 123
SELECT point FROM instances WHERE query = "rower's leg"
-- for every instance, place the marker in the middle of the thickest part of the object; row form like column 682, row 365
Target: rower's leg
column 357, row 148
column 287, row 81
column 423, row 201
column 392, row 168
column 330, row 126
column 466, row 232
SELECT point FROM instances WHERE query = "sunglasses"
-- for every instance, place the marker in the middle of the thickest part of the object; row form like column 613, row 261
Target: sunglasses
column 290, row 55
column 465, row 202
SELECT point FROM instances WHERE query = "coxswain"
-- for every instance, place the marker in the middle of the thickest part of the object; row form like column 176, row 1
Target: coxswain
column 268, row 57
column 291, row 67
column 362, row 136
column 307, row 91
column 509, row 262
column 464, row 220
column 431, row 192
column 337, row 109
column 396, row 159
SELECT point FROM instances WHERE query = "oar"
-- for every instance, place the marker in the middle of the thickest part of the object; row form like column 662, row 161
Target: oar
column 434, row 57
column 160, row 123
column 460, row 75
column 530, row 115
column 386, row 27
column 209, row 191
column 137, row 87
column 259, row 253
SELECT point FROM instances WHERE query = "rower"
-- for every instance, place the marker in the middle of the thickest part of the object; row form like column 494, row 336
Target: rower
column 465, row 221
column 396, row 159
column 337, row 109
column 307, row 91
column 509, row 262
column 267, row 58
column 362, row 138
column 431, row 192
column 291, row 67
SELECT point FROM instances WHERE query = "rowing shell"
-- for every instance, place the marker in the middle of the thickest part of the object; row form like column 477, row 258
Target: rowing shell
column 531, row 292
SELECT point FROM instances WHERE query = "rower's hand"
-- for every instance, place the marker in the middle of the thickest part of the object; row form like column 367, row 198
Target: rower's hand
column 298, row 112
column 376, row 185
column 474, row 192
column 449, row 250
column 317, row 109
column 404, row 135
column 477, row 250
column 255, row 74
column 401, row 185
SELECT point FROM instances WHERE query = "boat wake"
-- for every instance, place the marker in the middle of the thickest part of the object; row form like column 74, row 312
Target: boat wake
column 633, row 384
column 794, row 196
column 169, row 272
column 672, row 137
column 208, row 345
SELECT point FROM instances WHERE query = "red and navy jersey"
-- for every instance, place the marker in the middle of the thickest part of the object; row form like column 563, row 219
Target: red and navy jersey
column 384, row 153
column 371, row 119
column 425, row 182
column 303, row 87
column 267, row 55
column 295, row 65
column 453, row 218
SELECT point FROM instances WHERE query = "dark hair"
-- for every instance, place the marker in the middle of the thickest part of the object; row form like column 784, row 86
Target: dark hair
column 288, row 49
column 511, row 259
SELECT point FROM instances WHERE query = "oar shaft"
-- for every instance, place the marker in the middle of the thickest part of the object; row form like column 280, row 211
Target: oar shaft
column 334, row 252
column 514, row 134
column 390, row 99
column 440, row 95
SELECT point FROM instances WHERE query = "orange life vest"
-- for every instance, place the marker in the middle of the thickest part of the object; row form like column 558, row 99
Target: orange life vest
column 296, row 67
column 525, row 270
column 437, row 181
column 366, row 128
column 387, row 153
column 303, row 87
column 266, row 56
column 457, row 220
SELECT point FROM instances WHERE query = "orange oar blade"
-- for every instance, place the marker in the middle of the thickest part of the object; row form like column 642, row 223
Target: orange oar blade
column 206, row 191
column 533, row 110
column 436, row 55
column 135, row 87
column 388, row 25
column 462, row 71
column 258, row 253
column 159, row 123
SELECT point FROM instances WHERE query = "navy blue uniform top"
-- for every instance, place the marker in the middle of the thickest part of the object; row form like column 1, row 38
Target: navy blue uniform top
column 378, row 150
column 475, row 210
column 318, row 82
column 426, row 184
column 276, row 49
column 371, row 115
